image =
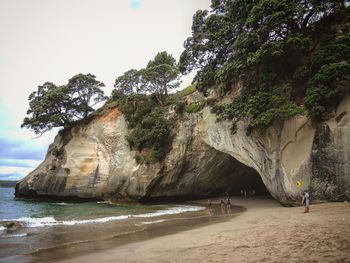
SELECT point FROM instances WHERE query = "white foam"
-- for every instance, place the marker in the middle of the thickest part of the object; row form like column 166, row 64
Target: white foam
column 96, row 220
column 51, row 221
column 16, row 235
column 104, row 202
column 62, row 204
column 36, row 222
column 172, row 211
column 153, row 222
column 2, row 228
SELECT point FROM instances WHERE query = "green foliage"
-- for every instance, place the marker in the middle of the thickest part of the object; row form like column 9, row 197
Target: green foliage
column 146, row 114
column 134, row 107
column 132, row 82
column 330, row 67
column 56, row 106
column 264, row 107
column 198, row 106
column 84, row 92
column 195, row 107
column 180, row 107
column 186, row 91
column 160, row 75
column 150, row 126
column 152, row 135
column 267, row 46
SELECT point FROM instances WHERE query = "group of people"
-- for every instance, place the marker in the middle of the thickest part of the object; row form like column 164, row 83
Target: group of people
column 224, row 203
column 246, row 193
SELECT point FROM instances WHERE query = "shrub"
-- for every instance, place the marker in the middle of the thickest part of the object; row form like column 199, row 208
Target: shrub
column 154, row 133
column 186, row 91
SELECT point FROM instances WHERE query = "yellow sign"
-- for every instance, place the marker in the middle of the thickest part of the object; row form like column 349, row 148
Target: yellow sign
column 298, row 183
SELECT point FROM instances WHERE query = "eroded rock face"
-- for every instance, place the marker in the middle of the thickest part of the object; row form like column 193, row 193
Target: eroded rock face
column 95, row 161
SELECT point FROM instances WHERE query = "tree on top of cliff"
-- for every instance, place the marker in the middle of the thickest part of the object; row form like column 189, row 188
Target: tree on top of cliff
column 131, row 82
column 160, row 75
column 84, row 92
column 268, row 46
column 59, row 106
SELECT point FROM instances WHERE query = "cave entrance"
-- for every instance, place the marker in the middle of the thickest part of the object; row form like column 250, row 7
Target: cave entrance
column 208, row 173
column 227, row 175
column 249, row 183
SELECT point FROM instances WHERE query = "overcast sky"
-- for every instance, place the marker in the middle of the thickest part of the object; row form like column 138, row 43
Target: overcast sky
column 53, row 40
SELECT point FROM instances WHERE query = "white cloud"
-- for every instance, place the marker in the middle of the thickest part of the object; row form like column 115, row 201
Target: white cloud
column 23, row 171
column 19, row 163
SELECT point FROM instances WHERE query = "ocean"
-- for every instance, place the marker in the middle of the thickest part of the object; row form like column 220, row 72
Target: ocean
column 42, row 231
column 33, row 213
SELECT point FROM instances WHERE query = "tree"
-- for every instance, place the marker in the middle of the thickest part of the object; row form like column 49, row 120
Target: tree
column 47, row 108
column 234, row 37
column 59, row 106
column 162, row 74
column 132, row 82
column 266, row 46
column 84, row 91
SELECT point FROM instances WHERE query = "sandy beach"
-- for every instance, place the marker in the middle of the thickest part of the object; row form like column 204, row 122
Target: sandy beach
column 266, row 232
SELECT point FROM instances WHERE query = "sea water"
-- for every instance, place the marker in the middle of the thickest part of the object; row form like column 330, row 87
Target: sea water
column 32, row 213
column 59, row 223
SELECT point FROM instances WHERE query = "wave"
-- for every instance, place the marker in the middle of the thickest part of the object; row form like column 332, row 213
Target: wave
column 16, row 235
column 172, row 211
column 51, row 221
column 105, row 202
column 153, row 222
column 2, row 228
column 62, row 204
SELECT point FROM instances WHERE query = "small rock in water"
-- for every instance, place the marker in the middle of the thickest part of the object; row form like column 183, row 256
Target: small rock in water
column 13, row 226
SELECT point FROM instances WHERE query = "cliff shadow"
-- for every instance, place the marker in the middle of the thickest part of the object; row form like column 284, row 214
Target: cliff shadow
column 210, row 173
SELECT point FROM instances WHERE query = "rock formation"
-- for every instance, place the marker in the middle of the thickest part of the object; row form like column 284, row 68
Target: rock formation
column 94, row 160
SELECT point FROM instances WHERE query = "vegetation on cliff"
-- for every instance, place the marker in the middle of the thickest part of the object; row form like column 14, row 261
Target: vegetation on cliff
column 284, row 54
column 59, row 106
column 142, row 95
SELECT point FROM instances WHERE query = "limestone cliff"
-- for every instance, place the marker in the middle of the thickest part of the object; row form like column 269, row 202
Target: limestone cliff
column 94, row 160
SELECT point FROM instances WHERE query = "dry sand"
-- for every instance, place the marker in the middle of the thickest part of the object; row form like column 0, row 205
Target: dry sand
column 266, row 232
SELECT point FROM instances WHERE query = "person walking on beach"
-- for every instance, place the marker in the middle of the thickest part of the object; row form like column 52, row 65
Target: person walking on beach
column 209, row 206
column 228, row 204
column 306, row 201
column 222, row 202
column 222, row 205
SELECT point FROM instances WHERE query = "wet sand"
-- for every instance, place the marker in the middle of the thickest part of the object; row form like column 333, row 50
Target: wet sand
column 266, row 232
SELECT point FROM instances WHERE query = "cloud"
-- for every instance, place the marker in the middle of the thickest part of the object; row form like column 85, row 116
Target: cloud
column 14, row 172
column 19, row 163
column 22, row 150
column 11, row 176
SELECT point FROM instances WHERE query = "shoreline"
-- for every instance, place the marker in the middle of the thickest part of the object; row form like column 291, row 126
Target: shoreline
column 265, row 232
column 103, row 236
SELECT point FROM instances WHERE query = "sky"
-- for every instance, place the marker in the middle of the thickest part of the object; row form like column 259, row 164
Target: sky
column 53, row 40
